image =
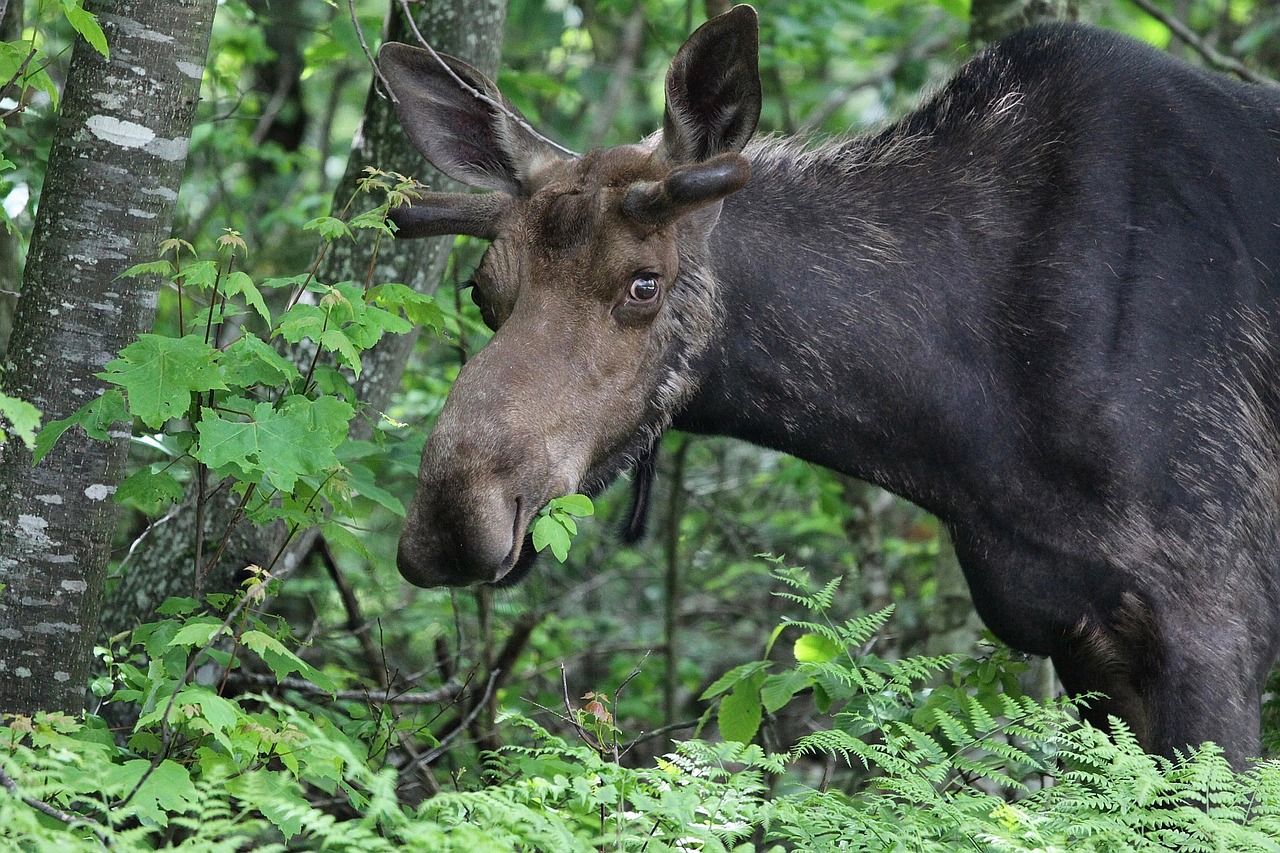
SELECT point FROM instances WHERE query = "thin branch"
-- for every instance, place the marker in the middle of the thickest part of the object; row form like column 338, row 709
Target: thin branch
column 351, row 6
column 172, row 514
column 1211, row 56
column 462, row 726
column 255, row 592
column 356, row 622
column 912, row 52
column 570, row 716
column 54, row 812
column 272, row 110
column 659, row 732
column 471, row 90
column 446, row 693
column 22, row 69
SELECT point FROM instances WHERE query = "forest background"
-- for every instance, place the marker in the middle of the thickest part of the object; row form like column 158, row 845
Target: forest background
column 296, row 692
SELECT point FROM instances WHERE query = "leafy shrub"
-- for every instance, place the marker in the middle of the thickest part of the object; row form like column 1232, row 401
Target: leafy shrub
column 964, row 765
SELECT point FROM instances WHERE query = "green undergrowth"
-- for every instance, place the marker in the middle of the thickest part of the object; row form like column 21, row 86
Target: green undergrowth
column 940, row 753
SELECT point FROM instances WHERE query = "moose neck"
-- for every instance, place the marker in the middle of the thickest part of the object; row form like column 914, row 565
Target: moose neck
column 856, row 288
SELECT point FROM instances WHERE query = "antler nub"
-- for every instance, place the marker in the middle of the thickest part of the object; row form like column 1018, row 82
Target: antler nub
column 687, row 188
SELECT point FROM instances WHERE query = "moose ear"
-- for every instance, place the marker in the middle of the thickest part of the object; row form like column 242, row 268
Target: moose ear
column 713, row 89
column 456, row 117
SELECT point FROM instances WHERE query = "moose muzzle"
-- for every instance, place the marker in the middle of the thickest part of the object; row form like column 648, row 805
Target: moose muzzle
column 497, row 454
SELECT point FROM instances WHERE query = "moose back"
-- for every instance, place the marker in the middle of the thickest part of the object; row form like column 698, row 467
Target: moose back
column 1043, row 306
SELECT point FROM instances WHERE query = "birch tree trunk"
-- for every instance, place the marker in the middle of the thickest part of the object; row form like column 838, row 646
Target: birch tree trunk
column 113, row 176
column 471, row 30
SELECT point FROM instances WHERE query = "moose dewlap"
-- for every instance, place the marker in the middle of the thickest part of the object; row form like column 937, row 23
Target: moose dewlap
column 1043, row 306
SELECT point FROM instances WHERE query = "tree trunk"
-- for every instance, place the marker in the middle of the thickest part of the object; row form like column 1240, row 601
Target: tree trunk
column 471, row 30
column 112, row 179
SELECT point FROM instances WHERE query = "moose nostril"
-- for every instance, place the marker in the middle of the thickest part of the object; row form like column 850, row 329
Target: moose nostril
column 517, row 539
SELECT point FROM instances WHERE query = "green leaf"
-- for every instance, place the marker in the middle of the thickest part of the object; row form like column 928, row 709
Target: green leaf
column 23, row 419
column 328, row 227
column 86, row 25
column 282, row 662
column 813, row 648
column 217, row 716
column 250, row 361
column 302, row 321
column 160, row 268
column 281, row 446
column 777, row 690
column 740, row 711
column 418, row 308
column 168, row 789
column 290, row 282
column 337, row 536
column 202, row 275
column 548, row 531
column 12, row 57
column 240, row 284
column 94, row 417
column 276, row 794
column 363, row 482
column 196, row 634
column 337, row 342
column 742, row 672
column 149, row 491
column 178, row 606
column 579, row 505
column 159, row 374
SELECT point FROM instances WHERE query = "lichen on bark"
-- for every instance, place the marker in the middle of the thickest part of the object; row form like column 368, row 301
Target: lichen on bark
column 113, row 175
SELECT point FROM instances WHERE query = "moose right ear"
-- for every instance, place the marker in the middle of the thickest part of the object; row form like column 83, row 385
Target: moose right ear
column 469, row 138
column 713, row 89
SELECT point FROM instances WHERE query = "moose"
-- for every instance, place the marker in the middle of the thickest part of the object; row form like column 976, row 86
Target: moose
column 1043, row 306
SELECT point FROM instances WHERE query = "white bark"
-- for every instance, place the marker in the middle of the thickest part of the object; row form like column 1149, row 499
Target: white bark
column 113, row 176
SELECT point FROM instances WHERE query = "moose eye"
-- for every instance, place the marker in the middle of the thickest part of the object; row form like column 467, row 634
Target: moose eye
column 644, row 288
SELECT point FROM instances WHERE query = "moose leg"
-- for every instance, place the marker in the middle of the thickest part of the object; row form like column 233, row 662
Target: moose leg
column 1095, row 658
column 1174, row 679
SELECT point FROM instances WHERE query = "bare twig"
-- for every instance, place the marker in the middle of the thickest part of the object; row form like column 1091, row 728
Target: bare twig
column 440, row 750
column 617, row 697
column 446, row 693
column 356, row 623
column 570, row 716
column 272, row 110
column 1211, row 56
column 672, row 585
column 659, row 732
column 169, row 516
column 471, row 90
column 351, row 6
column 840, row 96
column 22, row 69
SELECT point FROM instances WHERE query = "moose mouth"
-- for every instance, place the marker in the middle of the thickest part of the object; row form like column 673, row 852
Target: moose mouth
column 520, row 558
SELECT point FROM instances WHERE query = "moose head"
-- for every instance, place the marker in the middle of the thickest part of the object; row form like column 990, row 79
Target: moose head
column 595, row 284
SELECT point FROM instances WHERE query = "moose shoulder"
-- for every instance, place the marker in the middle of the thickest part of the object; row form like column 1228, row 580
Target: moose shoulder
column 1043, row 306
